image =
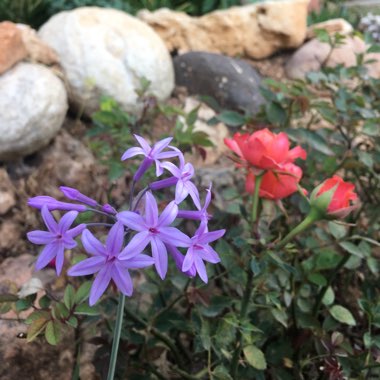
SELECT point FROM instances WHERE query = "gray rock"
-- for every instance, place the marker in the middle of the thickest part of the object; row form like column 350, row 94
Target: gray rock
column 33, row 105
column 232, row 82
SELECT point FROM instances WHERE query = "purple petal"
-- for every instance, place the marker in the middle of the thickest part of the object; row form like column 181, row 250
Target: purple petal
column 181, row 192
column 138, row 261
column 92, row 245
column 68, row 242
column 132, row 220
column 189, row 260
column 46, row 255
column 172, row 169
column 131, row 152
column 178, row 259
column 122, row 280
column 165, row 155
column 115, row 239
column 40, row 237
column 66, row 221
column 208, row 198
column 208, row 237
column 151, row 210
column 174, row 236
column 76, row 195
column 59, row 259
column 190, row 214
column 160, row 145
column 201, row 269
column 167, row 182
column 145, row 165
column 109, row 209
column 168, row 215
column 160, row 256
column 209, row 254
column 52, row 204
column 100, row 284
column 49, row 220
column 159, row 168
column 135, row 246
column 74, row 232
column 87, row 266
column 146, row 147
column 193, row 191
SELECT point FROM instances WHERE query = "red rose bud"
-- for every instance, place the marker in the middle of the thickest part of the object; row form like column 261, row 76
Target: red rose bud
column 334, row 198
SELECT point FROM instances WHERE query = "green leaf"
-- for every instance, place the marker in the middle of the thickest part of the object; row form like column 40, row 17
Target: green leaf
column 85, row 309
column 280, row 316
column 7, row 297
column 38, row 314
column 36, row 328
column 53, row 332
column 83, row 292
column 337, row 230
column 72, row 321
column 343, row 315
column 374, row 49
column 221, row 373
column 68, row 297
column 44, row 301
column 276, row 114
column 352, row 248
column 60, row 311
column 23, row 304
column 317, row 279
column 255, row 357
column 231, row 118
column 329, row 297
column 205, row 334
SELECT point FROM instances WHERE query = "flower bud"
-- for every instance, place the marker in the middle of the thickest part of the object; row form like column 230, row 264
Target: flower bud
column 52, row 204
column 76, row 195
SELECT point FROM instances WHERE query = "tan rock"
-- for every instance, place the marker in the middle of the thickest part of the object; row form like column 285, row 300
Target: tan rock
column 254, row 30
column 38, row 51
column 315, row 54
column 7, row 193
column 336, row 25
column 12, row 49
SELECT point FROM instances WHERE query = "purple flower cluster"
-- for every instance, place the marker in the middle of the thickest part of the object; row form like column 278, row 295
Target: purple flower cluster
column 134, row 230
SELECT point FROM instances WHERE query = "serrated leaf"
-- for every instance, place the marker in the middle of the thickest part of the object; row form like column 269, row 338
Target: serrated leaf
column 53, row 332
column 255, row 357
column 36, row 328
column 85, row 309
column 68, row 297
column 343, row 315
column 83, row 292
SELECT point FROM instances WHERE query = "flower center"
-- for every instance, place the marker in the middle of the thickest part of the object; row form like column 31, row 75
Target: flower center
column 153, row 230
column 197, row 246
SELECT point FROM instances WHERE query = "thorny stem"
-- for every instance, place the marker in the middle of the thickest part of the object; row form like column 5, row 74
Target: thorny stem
column 116, row 337
column 243, row 312
column 255, row 199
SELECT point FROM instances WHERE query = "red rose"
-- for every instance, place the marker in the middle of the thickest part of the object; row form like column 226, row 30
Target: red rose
column 334, row 198
column 276, row 185
column 264, row 150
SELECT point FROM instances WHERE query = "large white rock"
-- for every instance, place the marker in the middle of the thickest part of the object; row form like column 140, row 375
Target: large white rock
column 107, row 52
column 33, row 105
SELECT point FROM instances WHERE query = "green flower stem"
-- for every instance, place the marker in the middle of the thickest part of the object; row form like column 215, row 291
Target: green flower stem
column 116, row 337
column 255, row 198
column 312, row 217
column 331, row 278
column 243, row 311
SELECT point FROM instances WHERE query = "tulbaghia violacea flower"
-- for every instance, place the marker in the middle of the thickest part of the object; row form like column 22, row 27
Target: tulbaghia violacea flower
column 76, row 195
column 182, row 179
column 58, row 238
column 178, row 258
column 52, row 204
column 200, row 214
column 154, row 230
column 152, row 155
column 200, row 251
column 107, row 263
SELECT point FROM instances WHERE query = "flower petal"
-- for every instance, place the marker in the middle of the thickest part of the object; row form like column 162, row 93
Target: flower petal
column 40, row 237
column 132, row 220
column 181, row 191
column 138, row 261
column 174, row 236
column 209, row 254
column 49, row 220
column 201, row 269
column 122, row 279
column 172, row 169
column 189, row 260
column 92, row 245
column 131, row 152
column 115, row 239
column 193, row 191
column 100, row 284
column 46, row 255
column 168, row 215
column 74, row 232
column 151, row 210
column 144, row 144
column 66, row 221
column 135, row 246
column 59, row 258
column 160, row 145
column 87, row 266
column 208, row 237
column 160, row 256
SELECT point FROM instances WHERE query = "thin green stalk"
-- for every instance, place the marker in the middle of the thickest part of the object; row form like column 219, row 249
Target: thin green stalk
column 331, row 278
column 116, row 337
column 255, row 199
column 306, row 223
column 243, row 311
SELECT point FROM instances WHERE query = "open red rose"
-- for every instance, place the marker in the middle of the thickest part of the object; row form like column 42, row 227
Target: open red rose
column 334, row 198
column 264, row 150
column 276, row 185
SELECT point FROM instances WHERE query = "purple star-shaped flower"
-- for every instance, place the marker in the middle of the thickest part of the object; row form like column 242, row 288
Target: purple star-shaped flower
column 155, row 230
column 106, row 261
column 201, row 214
column 181, row 178
column 152, row 154
column 57, row 238
column 200, row 251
